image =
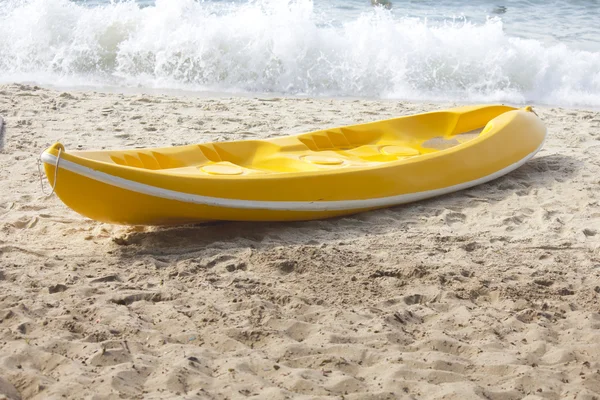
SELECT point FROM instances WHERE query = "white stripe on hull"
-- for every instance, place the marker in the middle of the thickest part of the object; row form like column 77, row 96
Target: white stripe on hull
column 337, row 205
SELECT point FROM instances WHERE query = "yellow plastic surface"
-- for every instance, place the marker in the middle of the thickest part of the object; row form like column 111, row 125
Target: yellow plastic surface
column 395, row 157
column 323, row 160
column 222, row 169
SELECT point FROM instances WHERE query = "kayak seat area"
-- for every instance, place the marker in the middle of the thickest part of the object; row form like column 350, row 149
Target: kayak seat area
column 146, row 159
column 339, row 139
column 315, row 152
column 336, row 148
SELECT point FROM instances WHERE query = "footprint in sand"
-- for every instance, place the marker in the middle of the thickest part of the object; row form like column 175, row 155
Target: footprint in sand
column 455, row 217
column 517, row 219
column 25, row 222
column 414, row 299
column 2, row 131
column 110, row 357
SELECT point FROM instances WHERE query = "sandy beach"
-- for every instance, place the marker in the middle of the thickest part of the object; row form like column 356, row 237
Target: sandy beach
column 489, row 293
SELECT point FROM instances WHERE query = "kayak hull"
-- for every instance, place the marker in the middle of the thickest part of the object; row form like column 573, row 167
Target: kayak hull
column 318, row 175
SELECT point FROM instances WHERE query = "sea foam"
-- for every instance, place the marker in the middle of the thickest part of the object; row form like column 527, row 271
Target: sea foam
column 286, row 47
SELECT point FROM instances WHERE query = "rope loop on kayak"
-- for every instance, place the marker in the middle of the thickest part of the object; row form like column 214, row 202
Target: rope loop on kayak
column 55, row 173
column 530, row 109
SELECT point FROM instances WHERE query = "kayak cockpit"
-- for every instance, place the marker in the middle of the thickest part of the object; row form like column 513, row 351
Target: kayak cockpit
column 355, row 146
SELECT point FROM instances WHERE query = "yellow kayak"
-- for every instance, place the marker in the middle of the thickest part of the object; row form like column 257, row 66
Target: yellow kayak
column 315, row 175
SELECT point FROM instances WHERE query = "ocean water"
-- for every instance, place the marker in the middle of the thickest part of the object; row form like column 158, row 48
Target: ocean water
column 517, row 51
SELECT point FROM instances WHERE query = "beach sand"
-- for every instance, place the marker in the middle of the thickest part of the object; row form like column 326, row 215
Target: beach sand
column 489, row 293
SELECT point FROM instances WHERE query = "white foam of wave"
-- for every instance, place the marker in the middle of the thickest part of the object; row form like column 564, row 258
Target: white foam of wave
column 284, row 46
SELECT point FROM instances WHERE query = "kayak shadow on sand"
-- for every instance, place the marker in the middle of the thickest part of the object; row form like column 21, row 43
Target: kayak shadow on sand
column 542, row 172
